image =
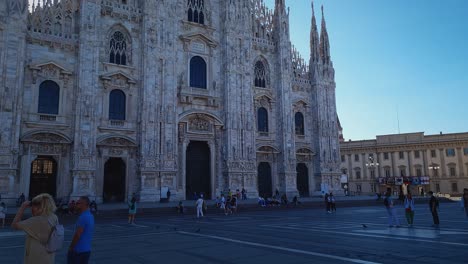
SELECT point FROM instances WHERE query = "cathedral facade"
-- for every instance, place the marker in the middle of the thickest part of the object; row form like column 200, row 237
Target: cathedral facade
column 108, row 98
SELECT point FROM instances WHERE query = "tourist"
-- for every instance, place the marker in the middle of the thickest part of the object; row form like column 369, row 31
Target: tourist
column 93, row 207
column 71, row 207
column 261, row 201
column 20, row 200
column 244, row 194
column 80, row 246
column 332, row 202
column 433, row 206
column 409, row 209
column 284, row 199
column 234, row 204
column 132, row 207
column 390, row 206
column 199, row 204
column 38, row 228
column 3, row 211
column 327, row 203
column 222, row 203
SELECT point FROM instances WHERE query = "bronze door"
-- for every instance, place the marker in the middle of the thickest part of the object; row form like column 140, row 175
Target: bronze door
column 43, row 177
column 302, row 180
column 265, row 186
column 197, row 170
column 114, row 180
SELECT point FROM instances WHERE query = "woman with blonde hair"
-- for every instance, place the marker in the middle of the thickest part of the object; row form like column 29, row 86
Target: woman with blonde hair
column 37, row 228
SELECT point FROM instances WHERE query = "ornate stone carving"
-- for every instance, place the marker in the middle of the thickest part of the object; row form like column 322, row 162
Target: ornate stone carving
column 17, row 7
column 199, row 123
column 50, row 70
column 116, row 142
column 117, row 80
column 46, row 138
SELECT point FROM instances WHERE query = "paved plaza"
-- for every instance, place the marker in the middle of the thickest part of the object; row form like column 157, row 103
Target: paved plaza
column 273, row 236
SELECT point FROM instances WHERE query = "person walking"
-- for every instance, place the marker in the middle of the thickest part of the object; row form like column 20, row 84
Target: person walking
column 433, row 206
column 79, row 251
column 390, row 206
column 37, row 228
column 327, row 203
column 409, row 209
column 199, row 204
column 3, row 210
column 332, row 203
column 465, row 201
column 132, row 207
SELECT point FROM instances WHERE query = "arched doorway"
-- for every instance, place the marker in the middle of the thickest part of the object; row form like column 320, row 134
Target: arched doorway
column 302, row 179
column 114, row 180
column 197, row 169
column 265, row 186
column 43, row 176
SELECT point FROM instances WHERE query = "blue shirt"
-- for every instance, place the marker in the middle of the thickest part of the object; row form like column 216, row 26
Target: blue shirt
column 86, row 221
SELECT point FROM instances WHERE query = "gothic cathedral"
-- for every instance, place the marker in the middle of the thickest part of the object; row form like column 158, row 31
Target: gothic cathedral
column 110, row 98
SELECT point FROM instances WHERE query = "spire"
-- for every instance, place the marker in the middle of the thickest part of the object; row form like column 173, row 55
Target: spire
column 314, row 40
column 280, row 6
column 324, row 43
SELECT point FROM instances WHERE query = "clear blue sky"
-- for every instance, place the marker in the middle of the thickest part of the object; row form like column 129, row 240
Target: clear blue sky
column 410, row 56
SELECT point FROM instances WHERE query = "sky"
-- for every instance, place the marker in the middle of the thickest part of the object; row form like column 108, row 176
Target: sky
column 400, row 66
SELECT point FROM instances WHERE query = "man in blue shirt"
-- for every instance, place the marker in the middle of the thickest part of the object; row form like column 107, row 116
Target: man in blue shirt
column 80, row 247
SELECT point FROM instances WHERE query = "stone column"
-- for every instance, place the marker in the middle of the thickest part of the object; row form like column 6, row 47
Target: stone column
column 443, row 166
column 461, row 172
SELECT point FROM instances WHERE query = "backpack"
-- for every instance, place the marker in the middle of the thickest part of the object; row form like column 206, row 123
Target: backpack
column 56, row 238
column 385, row 202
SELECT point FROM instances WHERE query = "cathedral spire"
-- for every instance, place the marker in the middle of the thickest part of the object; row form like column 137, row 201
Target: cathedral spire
column 314, row 40
column 324, row 43
column 280, row 7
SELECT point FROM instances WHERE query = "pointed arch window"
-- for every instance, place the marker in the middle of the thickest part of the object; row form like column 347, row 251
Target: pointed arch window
column 118, row 49
column 49, row 97
column 260, row 75
column 299, row 123
column 195, row 11
column 262, row 120
column 198, row 72
column 117, row 105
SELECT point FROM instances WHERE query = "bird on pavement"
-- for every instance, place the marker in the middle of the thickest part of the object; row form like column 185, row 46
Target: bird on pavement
column 197, row 231
column 363, row 225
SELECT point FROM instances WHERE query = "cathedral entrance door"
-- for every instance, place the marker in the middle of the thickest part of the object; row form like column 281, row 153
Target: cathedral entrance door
column 197, row 170
column 302, row 179
column 114, row 180
column 43, row 176
column 265, row 186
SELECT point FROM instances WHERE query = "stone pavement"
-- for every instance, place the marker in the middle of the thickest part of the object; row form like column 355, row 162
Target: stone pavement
column 273, row 236
column 165, row 208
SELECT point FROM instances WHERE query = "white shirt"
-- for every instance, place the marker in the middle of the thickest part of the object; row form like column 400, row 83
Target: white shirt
column 200, row 203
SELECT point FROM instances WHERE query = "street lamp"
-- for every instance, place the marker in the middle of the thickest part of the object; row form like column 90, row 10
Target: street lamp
column 435, row 168
column 371, row 165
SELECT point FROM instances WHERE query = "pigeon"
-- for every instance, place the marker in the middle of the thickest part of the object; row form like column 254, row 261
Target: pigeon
column 363, row 225
column 197, row 231
column 175, row 228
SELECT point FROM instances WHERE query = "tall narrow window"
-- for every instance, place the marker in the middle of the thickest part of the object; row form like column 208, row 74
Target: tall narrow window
column 262, row 115
column 195, row 11
column 198, row 72
column 260, row 75
column 49, row 97
column 299, row 120
column 118, row 49
column 117, row 105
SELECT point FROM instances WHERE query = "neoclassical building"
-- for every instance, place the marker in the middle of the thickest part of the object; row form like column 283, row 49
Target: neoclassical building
column 407, row 162
column 113, row 97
